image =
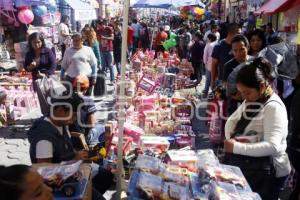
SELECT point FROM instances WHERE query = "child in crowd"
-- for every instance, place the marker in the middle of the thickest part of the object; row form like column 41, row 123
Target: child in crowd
column 217, row 116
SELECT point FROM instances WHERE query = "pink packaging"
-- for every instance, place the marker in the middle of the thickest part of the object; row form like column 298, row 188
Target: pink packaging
column 148, row 103
column 133, row 131
column 160, row 144
column 137, row 65
column 146, row 84
column 183, row 141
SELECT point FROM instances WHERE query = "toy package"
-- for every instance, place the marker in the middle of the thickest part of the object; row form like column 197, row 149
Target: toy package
column 148, row 163
column 200, row 190
column 182, row 158
column 206, row 157
column 155, row 143
column 174, row 174
column 150, row 184
column 133, row 131
column 62, row 178
column 224, row 191
column 172, row 190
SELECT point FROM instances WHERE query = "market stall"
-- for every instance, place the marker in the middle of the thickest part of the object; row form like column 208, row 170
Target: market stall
column 20, row 100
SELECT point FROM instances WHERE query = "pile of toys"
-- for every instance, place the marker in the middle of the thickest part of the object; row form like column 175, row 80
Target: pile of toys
column 186, row 174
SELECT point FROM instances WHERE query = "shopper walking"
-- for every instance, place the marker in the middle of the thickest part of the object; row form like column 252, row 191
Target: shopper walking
column 39, row 59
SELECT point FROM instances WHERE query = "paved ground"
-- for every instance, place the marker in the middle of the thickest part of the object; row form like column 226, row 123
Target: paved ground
column 14, row 145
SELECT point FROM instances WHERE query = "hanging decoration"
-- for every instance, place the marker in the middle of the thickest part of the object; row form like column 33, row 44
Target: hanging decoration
column 192, row 12
column 39, row 10
column 168, row 44
column 25, row 15
column 52, row 6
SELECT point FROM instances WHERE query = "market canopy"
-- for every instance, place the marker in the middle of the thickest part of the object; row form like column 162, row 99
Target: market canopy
column 83, row 11
column 166, row 3
column 275, row 6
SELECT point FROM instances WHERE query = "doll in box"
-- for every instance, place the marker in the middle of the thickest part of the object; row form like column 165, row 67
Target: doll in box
column 3, row 117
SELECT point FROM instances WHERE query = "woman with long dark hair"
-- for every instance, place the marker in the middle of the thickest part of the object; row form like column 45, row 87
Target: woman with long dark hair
column 39, row 59
column 256, row 132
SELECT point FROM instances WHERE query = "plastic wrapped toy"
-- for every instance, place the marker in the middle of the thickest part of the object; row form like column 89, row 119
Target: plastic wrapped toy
column 150, row 184
column 172, row 191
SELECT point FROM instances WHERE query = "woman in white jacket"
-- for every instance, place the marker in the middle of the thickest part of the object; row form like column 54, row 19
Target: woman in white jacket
column 207, row 59
column 256, row 132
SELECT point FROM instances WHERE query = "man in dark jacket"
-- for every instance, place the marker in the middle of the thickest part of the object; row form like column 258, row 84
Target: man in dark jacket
column 50, row 140
column 197, row 50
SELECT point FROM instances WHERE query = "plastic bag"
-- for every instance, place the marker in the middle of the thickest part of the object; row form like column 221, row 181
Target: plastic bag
column 283, row 60
column 65, row 170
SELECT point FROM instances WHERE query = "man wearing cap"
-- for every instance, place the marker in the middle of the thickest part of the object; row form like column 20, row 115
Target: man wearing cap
column 79, row 59
column 50, row 140
column 86, row 123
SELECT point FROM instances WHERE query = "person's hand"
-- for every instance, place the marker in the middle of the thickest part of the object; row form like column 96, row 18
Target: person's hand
column 32, row 65
column 81, row 155
column 228, row 145
column 237, row 96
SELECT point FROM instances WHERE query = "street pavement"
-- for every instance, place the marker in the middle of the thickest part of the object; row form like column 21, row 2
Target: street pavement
column 14, row 145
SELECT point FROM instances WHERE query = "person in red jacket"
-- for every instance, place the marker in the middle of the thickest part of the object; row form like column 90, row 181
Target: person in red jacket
column 159, row 40
column 130, row 39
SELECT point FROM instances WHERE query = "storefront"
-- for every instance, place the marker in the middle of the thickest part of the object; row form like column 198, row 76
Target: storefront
column 80, row 12
column 284, row 16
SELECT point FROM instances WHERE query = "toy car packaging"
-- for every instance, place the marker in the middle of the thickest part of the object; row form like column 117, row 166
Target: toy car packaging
column 206, row 157
column 175, row 174
column 182, row 158
column 148, row 163
column 200, row 190
column 62, row 178
column 172, row 191
column 150, row 184
column 224, row 191
column 155, row 143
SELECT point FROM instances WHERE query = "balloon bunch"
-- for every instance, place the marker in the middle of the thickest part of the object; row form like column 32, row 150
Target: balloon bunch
column 192, row 12
column 26, row 15
column 168, row 44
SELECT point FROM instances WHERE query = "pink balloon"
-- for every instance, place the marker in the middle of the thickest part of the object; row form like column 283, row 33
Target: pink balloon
column 25, row 16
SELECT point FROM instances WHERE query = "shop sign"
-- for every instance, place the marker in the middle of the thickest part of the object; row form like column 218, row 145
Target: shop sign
column 82, row 15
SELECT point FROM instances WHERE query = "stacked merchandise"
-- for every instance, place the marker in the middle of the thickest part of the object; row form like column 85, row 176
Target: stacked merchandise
column 205, row 179
column 21, row 49
column 20, row 99
column 158, row 117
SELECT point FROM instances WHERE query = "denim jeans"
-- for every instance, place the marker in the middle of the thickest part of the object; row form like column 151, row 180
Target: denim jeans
column 107, row 63
column 118, row 66
column 207, row 81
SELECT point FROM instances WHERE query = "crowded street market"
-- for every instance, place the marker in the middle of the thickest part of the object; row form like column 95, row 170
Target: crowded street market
column 150, row 99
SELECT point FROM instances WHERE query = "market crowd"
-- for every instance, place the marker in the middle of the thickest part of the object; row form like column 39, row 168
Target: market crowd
column 256, row 102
